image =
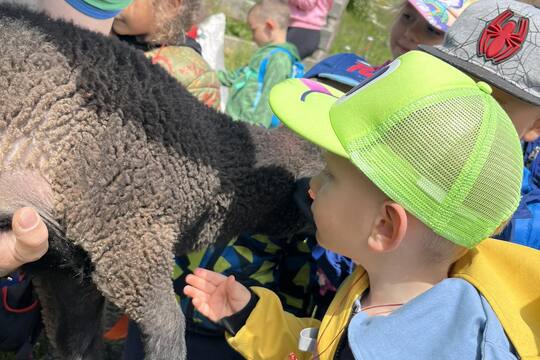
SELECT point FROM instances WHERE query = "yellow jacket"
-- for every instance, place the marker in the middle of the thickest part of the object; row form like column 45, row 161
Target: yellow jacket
column 507, row 275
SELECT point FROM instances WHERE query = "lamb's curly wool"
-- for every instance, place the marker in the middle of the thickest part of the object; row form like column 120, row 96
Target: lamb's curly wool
column 123, row 164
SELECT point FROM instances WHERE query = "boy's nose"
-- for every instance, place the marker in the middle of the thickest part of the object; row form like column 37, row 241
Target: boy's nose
column 412, row 32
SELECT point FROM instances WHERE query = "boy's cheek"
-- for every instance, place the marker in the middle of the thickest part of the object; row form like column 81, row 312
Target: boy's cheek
column 318, row 215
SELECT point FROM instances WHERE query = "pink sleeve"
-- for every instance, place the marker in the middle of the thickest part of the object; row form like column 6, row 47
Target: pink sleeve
column 304, row 5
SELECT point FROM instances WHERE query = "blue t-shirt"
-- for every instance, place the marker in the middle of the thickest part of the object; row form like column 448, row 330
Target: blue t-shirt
column 452, row 320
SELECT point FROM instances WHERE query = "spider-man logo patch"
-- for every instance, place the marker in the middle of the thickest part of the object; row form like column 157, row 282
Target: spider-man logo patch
column 500, row 41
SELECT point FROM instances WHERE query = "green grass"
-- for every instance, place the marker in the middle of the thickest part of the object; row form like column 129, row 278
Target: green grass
column 237, row 57
column 365, row 28
column 237, row 28
column 362, row 37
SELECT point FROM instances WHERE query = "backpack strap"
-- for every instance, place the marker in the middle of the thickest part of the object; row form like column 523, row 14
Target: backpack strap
column 20, row 318
column 297, row 71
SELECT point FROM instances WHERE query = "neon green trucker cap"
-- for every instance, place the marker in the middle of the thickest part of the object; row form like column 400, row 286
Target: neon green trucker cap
column 426, row 134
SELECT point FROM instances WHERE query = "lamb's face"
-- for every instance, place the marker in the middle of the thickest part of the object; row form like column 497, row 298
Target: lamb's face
column 281, row 147
column 292, row 217
column 284, row 162
column 258, row 190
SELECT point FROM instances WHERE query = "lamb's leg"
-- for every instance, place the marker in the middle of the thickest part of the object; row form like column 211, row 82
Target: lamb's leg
column 137, row 279
column 163, row 323
column 72, row 314
column 158, row 314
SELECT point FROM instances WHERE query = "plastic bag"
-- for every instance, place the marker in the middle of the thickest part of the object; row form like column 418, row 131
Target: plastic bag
column 211, row 37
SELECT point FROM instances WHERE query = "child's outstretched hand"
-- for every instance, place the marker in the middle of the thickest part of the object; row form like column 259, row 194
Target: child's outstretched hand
column 215, row 295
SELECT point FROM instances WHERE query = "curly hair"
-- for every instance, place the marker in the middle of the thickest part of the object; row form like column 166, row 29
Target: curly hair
column 171, row 25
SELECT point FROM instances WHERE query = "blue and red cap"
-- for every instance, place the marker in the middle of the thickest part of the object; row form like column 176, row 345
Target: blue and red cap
column 345, row 68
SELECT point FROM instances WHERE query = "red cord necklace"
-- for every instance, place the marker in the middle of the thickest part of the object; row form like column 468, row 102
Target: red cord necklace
column 317, row 356
column 379, row 306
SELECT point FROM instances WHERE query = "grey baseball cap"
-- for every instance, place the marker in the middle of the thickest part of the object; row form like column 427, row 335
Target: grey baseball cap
column 497, row 41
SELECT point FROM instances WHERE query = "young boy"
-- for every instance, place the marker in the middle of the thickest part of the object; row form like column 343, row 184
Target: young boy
column 419, row 171
column 271, row 64
column 473, row 45
column 417, row 22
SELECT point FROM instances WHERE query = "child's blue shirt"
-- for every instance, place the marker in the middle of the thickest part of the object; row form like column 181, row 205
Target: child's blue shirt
column 452, row 320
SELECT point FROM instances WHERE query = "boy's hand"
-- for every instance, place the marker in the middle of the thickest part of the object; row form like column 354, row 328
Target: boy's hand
column 215, row 295
column 26, row 242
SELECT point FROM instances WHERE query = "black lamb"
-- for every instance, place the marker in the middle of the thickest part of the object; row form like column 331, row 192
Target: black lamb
column 126, row 168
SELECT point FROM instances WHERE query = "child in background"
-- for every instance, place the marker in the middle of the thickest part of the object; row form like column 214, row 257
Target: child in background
column 423, row 22
column 418, row 22
column 516, row 82
column 275, row 60
column 420, row 170
column 307, row 19
column 158, row 28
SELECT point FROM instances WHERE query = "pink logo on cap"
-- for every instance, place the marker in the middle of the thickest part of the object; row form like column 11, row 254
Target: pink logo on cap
column 314, row 87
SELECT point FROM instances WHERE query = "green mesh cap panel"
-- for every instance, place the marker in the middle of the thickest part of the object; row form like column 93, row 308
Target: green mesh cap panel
column 452, row 159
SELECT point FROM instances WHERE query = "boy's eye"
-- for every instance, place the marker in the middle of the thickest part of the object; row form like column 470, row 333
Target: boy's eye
column 433, row 31
column 327, row 174
column 407, row 17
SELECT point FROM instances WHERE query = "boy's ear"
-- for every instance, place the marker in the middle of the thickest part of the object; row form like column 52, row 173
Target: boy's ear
column 533, row 132
column 389, row 227
column 270, row 24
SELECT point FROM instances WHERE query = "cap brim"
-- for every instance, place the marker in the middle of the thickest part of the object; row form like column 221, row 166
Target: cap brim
column 482, row 74
column 340, row 79
column 428, row 18
column 303, row 105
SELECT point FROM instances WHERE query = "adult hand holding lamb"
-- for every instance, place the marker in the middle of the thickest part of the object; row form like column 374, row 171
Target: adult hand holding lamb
column 26, row 242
